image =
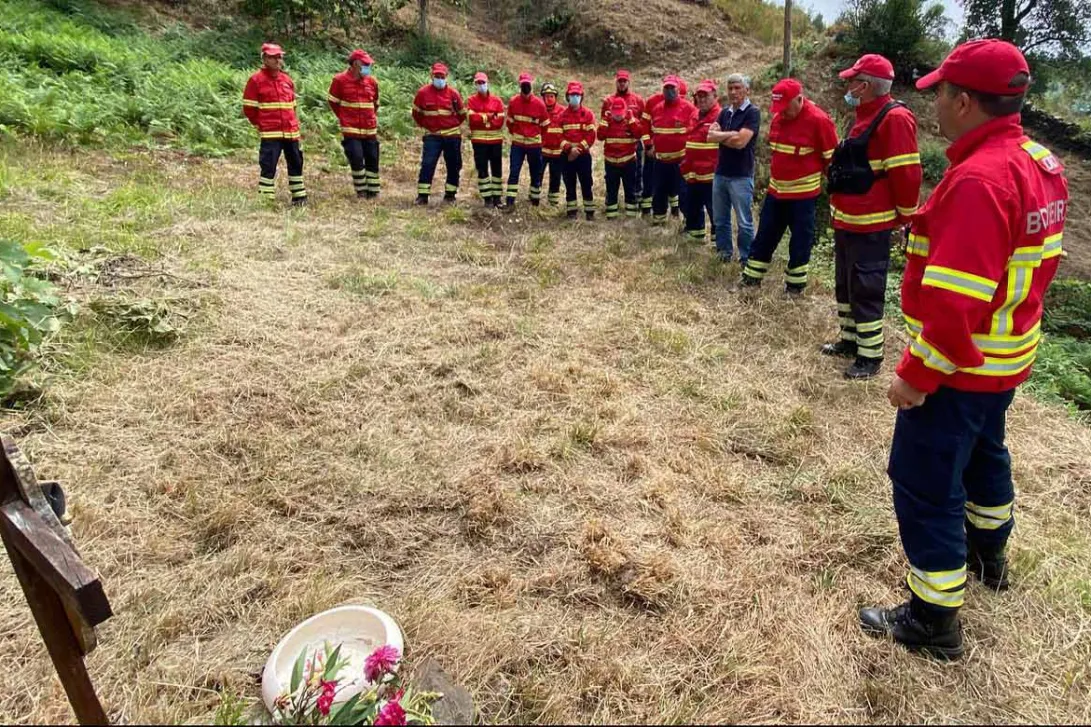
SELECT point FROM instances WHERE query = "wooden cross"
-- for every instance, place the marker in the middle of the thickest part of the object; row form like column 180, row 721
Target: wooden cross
column 65, row 597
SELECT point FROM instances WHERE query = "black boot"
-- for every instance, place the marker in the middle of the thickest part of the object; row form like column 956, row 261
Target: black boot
column 844, row 348
column 590, row 215
column 572, row 214
column 748, row 282
column 422, row 199
column 793, row 291
column 371, row 195
column 449, row 198
column 933, row 632
column 535, row 202
column 510, row 205
column 863, row 368
column 990, row 565
column 362, row 194
column 299, row 202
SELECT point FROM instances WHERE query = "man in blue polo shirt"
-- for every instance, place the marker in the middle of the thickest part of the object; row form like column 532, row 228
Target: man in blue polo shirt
column 733, row 186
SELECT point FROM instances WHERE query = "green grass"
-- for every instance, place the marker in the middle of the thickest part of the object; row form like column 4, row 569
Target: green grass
column 75, row 72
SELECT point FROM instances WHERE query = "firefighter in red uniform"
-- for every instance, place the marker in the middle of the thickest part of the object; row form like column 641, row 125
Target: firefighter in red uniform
column 551, row 143
column 647, row 174
column 578, row 136
column 802, row 137
column 486, row 115
column 671, row 120
column 527, row 116
column 354, row 99
column 619, row 132
column 622, row 83
column 867, row 201
column 699, row 164
column 269, row 104
column 981, row 254
column 438, row 109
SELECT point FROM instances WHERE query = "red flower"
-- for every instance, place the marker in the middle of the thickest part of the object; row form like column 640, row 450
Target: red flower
column 324, row 703
column 391, row 714
column 381, row 662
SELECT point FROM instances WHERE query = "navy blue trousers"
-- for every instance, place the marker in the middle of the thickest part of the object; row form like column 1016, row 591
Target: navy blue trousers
column 623, row 176
column 450, row 148
column 777, row 217
column 533, row 158
column 952, row 481
column 698, row 202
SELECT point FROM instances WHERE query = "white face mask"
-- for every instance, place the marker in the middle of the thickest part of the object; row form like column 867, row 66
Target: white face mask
column 365, row 70
column 574, row 99
column 482, row 88
column 440, row 83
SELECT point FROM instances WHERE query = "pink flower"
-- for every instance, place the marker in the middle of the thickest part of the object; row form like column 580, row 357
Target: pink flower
column 324, row 703
column 391, row 713
column 329, row 688
column 381, row 662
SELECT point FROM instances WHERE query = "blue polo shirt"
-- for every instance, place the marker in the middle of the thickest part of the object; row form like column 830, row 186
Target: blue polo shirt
column 739, row 162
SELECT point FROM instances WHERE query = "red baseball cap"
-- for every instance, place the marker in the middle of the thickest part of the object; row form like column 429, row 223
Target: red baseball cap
column 988, row 66
column 622, row 75
column 671, row 80
column 438, row 69
column 618, row 106
column 706, row 86
column 574, row 87
column 359, row 55
column 480, row 77
column 271, row 49
column 871, row 64
column 525, row 77
column 784, row 92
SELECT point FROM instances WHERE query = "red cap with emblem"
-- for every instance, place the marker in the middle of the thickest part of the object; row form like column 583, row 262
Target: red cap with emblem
column 438, row 69
column 988, row 66
column 784, row 92
column 271, row 49
column 871, row 64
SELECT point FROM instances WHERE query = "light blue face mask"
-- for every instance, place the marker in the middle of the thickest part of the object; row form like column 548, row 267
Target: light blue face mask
column 852, row 100
column 482, row 88
column 574, row 99
column 365, row 70
column 440, row 83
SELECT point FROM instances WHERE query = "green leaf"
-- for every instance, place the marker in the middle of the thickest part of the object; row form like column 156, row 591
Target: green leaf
column 297, row 672
column 332, row 664
column 343, row 715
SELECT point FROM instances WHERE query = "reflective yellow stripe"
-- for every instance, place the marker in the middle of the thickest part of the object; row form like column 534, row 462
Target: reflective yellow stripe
column 942, row 588
column 906, row 211
column 957, row 281
column 630, row 141
column 918, row 245
column 524, row 119
column 869, row 219
column 827, row 154
column 572, row 127
column 1014, row 344
column 361, row 105
column 1052, row 246
column 333, row 99
column 804, row 184
column 290, row 135
column 695, row 177
column 437, row 112
column 931, row 357
column 669, row 130
column 701, row 145
column 520, row 139
column 902, row 160
column 988, row 518
column 805, row 150
column 669, row 156
column 486, row 136
column 783, row 148
column 588, row 127
column 354, row 130
column 869, row 326
column 248, row 102
column 1017, row 289
column 621, row 160
column 1036, row 150
column 277, row 105
column 1004, row 366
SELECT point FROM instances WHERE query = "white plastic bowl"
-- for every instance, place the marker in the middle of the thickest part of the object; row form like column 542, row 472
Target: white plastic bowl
column 359, row 629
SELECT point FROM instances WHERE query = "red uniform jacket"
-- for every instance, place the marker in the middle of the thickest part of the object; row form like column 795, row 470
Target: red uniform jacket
column 802, row 148
column 577, row 129
column 632, row 100
column 699, row 164
column 671, row 123
column 355, row 102
column 646, row 117
column 982, row 252
column 269, row 104
column 526, row 118
column 892, row 150
column 486, row 119
column 552, row 135
column 439, row 112
column 619, row 138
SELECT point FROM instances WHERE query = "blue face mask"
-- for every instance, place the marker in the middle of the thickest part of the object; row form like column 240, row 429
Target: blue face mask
column 365, row 70
column 482, row 88
column 574, row 99
column 440, row 83
column 852, row 100
column 670, row 94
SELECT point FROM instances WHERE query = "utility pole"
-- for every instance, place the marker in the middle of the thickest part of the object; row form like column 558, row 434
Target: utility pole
column 423, row 18
column 787, row 38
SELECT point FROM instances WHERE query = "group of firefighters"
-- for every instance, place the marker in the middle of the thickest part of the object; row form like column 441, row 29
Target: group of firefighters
column 981, row 252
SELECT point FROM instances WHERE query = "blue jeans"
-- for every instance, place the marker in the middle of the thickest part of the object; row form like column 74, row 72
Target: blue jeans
column 733, row 193
column 952, row 482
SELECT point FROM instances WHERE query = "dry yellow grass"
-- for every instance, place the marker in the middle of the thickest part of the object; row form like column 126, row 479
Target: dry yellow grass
column 583, row 474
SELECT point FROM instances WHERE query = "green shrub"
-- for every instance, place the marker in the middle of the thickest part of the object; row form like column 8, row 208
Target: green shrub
column 30, row 309
column 933, row 161
column 1062, row 371
column 908, row 32
column 1068, row 309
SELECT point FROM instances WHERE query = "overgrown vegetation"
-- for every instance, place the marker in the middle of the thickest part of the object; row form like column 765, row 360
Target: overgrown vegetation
column 765, row 20
column 88, row 75
column 1063, row 369
column 908, row 32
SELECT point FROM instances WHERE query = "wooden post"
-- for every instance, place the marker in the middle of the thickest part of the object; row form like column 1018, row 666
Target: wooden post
column 423, row 18
column 65, row 597
column 787, row 38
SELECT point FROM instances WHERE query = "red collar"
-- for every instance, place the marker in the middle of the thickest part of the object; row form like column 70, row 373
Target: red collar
column 869, row 109
column 1003, row 127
